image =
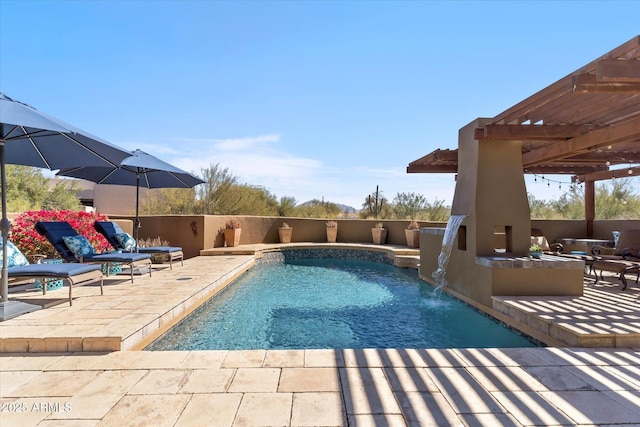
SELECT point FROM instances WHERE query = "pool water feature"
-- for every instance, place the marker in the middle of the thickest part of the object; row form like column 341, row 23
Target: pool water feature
column 445, row 253
column 333, row 303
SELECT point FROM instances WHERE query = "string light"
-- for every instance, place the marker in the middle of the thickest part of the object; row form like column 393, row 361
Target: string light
column 549, row 181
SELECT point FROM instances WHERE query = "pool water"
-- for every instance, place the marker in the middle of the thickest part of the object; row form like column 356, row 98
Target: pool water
column 334, row 303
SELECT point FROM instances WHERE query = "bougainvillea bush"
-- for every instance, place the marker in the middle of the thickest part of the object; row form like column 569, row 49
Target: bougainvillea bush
column 24, row 235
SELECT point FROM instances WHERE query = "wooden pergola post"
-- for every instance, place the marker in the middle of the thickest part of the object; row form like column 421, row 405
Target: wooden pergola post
column 589, row 206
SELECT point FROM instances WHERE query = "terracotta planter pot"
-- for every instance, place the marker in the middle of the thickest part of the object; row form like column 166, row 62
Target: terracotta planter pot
column 285, row 234
column 332, row 234
column 232, row 236
column 413, row 238
column 379, row 235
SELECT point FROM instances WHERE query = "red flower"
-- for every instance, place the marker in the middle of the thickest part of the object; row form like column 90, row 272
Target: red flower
column 23, row 234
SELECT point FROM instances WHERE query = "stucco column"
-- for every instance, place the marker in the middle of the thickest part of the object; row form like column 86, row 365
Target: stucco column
column 491, row 191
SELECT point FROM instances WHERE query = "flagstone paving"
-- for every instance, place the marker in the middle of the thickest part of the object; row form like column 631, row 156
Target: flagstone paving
column 49, row 375
column 518, row 387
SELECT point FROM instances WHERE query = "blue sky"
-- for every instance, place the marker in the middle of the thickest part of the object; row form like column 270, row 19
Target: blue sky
column 310, row 99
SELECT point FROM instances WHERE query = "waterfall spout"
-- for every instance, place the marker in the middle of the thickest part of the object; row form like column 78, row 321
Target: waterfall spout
column 447, row 244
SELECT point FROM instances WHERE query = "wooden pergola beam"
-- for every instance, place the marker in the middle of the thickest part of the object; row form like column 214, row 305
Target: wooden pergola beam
column 432, row 169
column 498, row 132
column 608, row 135
column 616, row 70
column 589, row 83
column 563, row 170
column 608, row 174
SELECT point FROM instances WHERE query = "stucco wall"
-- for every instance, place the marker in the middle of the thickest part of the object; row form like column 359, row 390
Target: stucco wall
column 197, row 232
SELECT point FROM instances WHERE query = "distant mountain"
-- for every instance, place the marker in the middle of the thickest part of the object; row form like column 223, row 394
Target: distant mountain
column 343, row 208
column 347, row 209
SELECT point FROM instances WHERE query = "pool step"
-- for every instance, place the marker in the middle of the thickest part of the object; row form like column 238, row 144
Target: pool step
column 407, row 261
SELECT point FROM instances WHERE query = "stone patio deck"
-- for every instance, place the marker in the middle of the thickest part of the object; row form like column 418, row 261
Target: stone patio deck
column 65, row 366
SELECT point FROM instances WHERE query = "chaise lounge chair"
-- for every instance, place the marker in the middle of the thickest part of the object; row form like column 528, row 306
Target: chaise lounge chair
column 623, row 259
column 123, row 241
column 19, row 270
column 62, row 237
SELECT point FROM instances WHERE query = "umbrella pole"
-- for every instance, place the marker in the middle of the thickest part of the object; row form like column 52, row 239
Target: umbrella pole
column 136, row 224
column 8, row 309
column 4, row 227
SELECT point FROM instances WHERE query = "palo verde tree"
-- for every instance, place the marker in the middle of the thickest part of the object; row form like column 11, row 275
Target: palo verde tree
column 170, row 201
column 614, row 199
column 287, row 206
column 409, row 205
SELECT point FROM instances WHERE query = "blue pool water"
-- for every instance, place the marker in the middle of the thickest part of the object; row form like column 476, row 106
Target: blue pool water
column 334, row 303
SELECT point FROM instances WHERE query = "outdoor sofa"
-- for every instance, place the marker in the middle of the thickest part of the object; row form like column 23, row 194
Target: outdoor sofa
column 56, row 232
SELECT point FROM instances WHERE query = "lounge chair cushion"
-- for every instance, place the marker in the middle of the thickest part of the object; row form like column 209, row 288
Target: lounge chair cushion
column 126, row 241
column 52, row 270
column 79, row 245
column 15, row 258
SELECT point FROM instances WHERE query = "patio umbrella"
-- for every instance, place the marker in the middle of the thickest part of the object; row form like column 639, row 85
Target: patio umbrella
column 31, row 138
column 139, row 169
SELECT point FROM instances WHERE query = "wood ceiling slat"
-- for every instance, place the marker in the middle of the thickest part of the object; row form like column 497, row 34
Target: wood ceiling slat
column 626, row 109
column 519, row 113
column 592, row 140
column 579, row 109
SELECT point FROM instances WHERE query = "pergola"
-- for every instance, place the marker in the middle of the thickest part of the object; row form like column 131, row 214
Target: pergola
column 586, row 124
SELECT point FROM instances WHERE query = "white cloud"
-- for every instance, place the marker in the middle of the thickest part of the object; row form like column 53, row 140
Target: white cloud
column 234, row 144
column 256, row 160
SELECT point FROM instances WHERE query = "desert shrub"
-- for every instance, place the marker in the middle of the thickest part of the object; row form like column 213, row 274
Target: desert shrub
column 156, row 241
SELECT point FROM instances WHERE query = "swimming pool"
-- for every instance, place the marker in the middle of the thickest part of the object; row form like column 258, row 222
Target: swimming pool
column 301, row 303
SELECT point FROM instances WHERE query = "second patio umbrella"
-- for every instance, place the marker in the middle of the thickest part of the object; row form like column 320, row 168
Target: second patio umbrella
column 31, row 138
column 139, row 169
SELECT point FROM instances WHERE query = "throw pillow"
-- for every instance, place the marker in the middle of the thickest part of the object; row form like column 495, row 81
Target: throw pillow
column 79, row 245
column 15, row 258
column 127, row 242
